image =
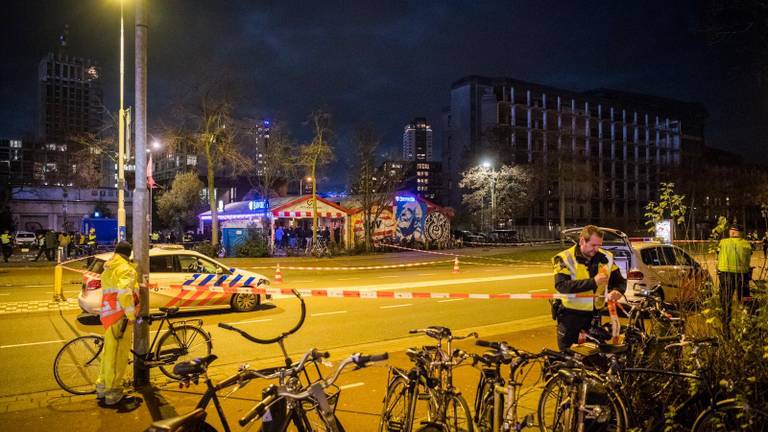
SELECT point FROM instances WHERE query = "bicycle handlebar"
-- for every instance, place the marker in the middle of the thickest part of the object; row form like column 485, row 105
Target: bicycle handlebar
column 275, row 339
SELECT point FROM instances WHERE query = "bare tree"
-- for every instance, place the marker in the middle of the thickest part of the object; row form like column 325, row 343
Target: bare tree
column 317, row 153
column 507, row 187
column 210, row 130
column 375, row 189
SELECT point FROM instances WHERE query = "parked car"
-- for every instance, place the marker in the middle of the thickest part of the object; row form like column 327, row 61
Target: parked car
column 24, row 238
column 646, row 264
column 172, row 267
column 503, row 236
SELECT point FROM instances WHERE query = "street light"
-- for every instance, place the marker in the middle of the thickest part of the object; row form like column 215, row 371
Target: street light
column 308, row 179
column 121, row 231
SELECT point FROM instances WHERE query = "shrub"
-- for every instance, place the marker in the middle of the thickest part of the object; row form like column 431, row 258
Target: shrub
column 257, row 245
column 205, row 248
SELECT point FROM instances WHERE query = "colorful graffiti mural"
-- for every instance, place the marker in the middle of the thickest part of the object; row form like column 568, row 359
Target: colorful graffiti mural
column 411, row 215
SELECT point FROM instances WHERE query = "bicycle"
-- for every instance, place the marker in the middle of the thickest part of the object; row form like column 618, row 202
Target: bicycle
column 308, row 405
column 430, row 379
column 496, row 400
column 76, row 366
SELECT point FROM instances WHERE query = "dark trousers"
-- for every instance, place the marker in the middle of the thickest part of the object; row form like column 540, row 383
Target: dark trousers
column 7, row 252
column 731, row 283
column 41, row 251
column 569, row 324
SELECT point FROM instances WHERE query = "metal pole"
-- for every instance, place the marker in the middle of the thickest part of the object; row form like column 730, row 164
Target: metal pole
column 141, row 216
column 493, row 200
column 121, row 231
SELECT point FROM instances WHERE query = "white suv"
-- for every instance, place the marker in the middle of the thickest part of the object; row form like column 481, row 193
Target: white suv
column 647, row 264
column 24, row 238
column 176, row 276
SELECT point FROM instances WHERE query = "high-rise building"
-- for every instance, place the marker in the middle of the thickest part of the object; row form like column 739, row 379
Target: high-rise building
column 70, row 104
column 417, row 140
column 598, row 156
column 16, row 161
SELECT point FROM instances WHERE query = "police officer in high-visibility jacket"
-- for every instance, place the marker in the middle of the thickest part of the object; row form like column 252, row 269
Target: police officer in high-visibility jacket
column 585, row 268
column 7, row 243
column 92, row 241
column 119, row 308
column 733, row 268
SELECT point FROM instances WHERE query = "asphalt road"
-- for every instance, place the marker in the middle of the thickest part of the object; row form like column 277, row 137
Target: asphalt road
column 30, row 341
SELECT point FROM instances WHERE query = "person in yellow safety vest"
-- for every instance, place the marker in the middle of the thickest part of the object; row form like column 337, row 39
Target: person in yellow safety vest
column 733, row 269
column 7, row 242
column 585, row 268
column 119, row 308
column 92, row 241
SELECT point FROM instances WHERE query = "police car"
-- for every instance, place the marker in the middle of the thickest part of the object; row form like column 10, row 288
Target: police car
column 172, row 269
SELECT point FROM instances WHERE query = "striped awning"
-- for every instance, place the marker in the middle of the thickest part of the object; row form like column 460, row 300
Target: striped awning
column 307, row 214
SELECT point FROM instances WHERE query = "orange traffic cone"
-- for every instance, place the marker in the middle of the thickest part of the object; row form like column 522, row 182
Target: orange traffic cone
column 456, row 265
column 278, row 274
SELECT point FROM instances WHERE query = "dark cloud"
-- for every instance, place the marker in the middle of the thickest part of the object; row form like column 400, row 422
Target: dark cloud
column 387, row 62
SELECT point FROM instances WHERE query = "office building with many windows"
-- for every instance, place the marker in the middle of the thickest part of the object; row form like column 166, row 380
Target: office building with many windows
column 597, row 156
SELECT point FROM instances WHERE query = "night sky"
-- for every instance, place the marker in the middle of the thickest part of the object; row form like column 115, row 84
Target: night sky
column 387, row 62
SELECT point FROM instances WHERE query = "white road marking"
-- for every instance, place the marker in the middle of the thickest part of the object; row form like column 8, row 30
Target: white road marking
column 33, row 343
column 492, row 270
column 396, row 306
column 251, row 321
column 5, row 293
column 538, row 290
column 302, row 281
column 450, row 300
column 427, row 274
column 390, row 276
column 353, row 385
column 328, row 313
column 346, row 279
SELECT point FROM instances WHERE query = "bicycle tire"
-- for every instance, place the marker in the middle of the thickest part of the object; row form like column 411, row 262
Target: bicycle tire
column 457, row 415
column 77, row 364
column 397, row 414
column 729, row 415
column 193, row 342
column 562, row 408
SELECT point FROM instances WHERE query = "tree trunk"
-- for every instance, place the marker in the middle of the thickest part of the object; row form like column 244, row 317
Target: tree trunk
column 314, row 203
column 212, row 204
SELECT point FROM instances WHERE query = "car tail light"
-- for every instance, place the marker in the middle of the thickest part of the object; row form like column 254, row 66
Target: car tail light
column 93, row 284
column 635, row 275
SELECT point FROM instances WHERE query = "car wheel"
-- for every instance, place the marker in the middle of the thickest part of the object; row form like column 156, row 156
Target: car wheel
column 245, row 302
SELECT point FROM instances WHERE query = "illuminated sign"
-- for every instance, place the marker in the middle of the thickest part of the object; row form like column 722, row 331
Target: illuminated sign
column 257, row 205
column 405, row 199
column 664, row 231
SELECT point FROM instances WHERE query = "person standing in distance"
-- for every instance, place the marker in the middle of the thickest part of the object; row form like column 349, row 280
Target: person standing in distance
column 119, row 308
column 734, row 255
column 585, row 268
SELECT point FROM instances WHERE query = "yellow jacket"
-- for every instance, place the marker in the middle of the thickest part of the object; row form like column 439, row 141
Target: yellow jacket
column 734, row 255
column 118, row 282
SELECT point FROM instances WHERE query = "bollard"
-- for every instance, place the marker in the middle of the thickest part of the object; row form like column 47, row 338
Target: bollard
column 58, row 290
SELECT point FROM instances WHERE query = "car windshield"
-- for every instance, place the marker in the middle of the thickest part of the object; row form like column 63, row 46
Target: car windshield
column 191, row 263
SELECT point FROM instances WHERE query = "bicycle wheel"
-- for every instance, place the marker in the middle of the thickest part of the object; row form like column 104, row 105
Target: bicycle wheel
column 457, row 416
column 188, row 343
column 604, row 410
column 76, row 366
column 729, row 415
column 397, row 415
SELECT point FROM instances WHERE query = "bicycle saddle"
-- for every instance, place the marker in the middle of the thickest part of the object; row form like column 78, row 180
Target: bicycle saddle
column 193, row 367
column 169, row 310
column 180, row 423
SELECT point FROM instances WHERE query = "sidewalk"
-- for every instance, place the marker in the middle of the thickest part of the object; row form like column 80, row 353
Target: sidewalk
column 358, row 409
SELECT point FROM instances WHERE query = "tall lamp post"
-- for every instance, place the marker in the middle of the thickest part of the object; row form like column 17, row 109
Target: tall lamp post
column 308, row 179
column 487, row 165
column 121, row 230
